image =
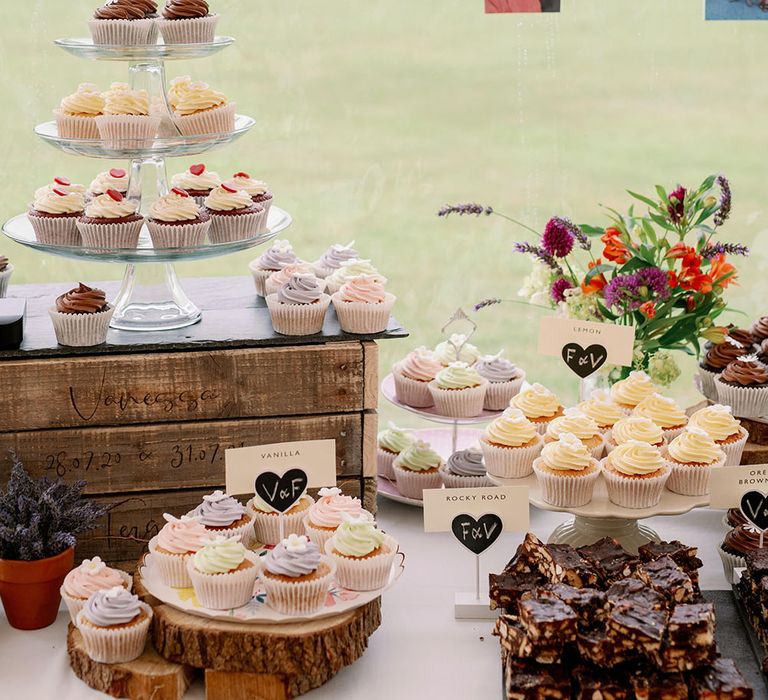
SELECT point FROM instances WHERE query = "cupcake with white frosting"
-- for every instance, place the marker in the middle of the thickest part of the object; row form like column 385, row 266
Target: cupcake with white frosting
column 277, row 257
column 350, row 269
column 175, row 221
column 299, row 306
column 258, row 190
column 635, row 474
column 465, row 469
column 510, row 444
column 126, row 121
column 198, row 109
column 458, row 391
column 417, row 468
column 363, row 305
column 332, row 259
column 412, row 376
column 691, row 457
column 576, row 423
column 390, row 442
column 112, row 179
column 631, row 391
column 76, row 114
column 61, row 183
column 54, row 214
column 635, row 428
column 197, row 181
column 539, row 405
column 505, row 380
column 665, row 412
column 234, row 216
column 267, row 520
column 110, row 221
column 601, row 408
column 567, row 472
column 457, row 349
column 727, row 432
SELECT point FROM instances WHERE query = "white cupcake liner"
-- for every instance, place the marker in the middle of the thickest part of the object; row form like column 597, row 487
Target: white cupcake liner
column 245, row 532
column 112, row 645
column 266, row 526
column 259, row 278
column 384, row 461
column 298, row 319
column 128, row 130
column 457, row 481
column 234, row 227
column 73, row 126
column 566, row 491
column 510, row 462
column 359, row 317
column 219, row 120
column 411, row 484
column 172, row 568
column 57, row 230
column 745, row 401
column 75, row 605
column 224, row 591
column 5, row 278
column 195, row 30
column 266, row 205
column 690, row 480
column 499, row 393
column 411, row 392
column 730, row 562
column 271, row 287
column 364, row 574
column 110, row 236
column 299, row 597
column 178, row 235
column 123, row 32
column 734, row 450
column 459, row 403
column 597, row 451
column 542, row 425
column 632, row 492
column 81, row 330
column 671, row 433
column 708, row 388
column 317, row 535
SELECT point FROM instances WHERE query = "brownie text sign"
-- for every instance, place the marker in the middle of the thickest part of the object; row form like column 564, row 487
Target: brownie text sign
column 508, row 504
column 277, row 470
column 728, row 485
column 584, row 345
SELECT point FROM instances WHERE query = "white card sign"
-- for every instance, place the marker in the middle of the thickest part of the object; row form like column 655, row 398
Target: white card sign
column 728, row 485
column 509, row 503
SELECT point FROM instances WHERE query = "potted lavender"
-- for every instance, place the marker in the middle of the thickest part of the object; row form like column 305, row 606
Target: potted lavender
column 38, row 523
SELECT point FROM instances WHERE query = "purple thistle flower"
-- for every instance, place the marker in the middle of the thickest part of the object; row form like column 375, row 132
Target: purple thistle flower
column 540, row 254
column 714, row 249
column 559, row 287
column 558, row 237
column 581, row 238
column 676, row 208
column 486, row 302
column 724, row 210
column 465, row 209
column 629, row 292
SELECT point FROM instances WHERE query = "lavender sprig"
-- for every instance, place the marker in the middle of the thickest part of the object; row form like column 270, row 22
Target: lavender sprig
column 487, row 302
column 581, row 238
column 724, row 210
column 541, row 255
column 712, row 250
column 465, row 210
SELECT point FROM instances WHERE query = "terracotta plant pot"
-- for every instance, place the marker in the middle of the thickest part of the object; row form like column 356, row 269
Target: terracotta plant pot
column 30, row 589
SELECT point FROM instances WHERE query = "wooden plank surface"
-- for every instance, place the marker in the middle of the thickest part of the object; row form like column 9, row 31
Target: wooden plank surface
column 233, row 316
column 371, row 372
column 370, row 442
column 160, row 457
column 182, row 386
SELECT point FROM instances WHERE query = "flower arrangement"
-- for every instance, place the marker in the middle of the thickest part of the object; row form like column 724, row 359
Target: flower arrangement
column 661, row 271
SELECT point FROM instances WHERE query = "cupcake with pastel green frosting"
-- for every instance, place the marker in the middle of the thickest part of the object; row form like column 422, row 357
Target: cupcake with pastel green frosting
column 390, row 442
column 458, row 391
column 417, row 468
column 348, row 270
column 363, row 554
column 266, row 520
column 456, row 349
column 567, row 472
column 510, row 444
column 223, row 574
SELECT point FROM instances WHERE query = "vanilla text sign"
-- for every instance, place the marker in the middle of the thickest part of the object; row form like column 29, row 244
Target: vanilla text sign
column 477, row 508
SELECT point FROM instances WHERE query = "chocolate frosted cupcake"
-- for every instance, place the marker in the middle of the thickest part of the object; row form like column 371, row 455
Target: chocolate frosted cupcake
column 6, row 270
column 412, row 376
column 110, row 221
column 332, row 259
column 81, row 317
column 234, row 217
column 279, row 256
column 759, row 330
column 54, row 214
column 126, row 121
column 716, row 359
column 258, row 190
column 124, row 23
column 504, row 377
column 299, row 306
column 175, row 221
column 198, row 109
column 187, row 22
column 718, row 422
column 743, row 385
column 75, row 115
column 112, row 179
column 363, row 305
column 465, row 469
column 197, row 182
column 744, row 539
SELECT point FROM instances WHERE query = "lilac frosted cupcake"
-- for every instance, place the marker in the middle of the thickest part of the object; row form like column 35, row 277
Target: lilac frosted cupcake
column 743, row 385
column 412, row 376
column 234, row 217
column 175, row 221
column 333, row 258
column 54, row 214
column 631, row 391
column 223, row 574
column 258, row 190
column 635, row 428
column 465, row 469
column 567, row 472
column 279, row 255
column 446, row 351
column 582, row 426
column 691, row 457
column 602, row 409
column 635, row 474
column 718, row 422
column 176, row 542
column 110, row 221
column 510, row 444
column 279, row 278
column 504, row 377
column 417, row 468
column 363, row 305
column 75, row 115
column 539, row 405
column 224, row 515
column 390, row 443
column 299, row 307
column 665, row 412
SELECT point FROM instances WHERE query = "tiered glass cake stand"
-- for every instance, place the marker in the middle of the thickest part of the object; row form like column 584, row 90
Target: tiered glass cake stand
column 151, row 297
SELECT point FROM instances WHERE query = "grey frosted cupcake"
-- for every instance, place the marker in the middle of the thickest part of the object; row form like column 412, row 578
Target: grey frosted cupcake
column 279, row 255
column 465, row 469
column 333, row 258
column 505, row 380
column 299, row 306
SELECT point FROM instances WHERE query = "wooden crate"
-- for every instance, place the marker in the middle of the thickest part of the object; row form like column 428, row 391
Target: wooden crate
column 145, row 420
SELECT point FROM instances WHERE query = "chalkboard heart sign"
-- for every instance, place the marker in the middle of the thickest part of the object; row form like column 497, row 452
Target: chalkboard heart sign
column 281, row 492
column 754, row 505
column 477, row 534
column 584, row 361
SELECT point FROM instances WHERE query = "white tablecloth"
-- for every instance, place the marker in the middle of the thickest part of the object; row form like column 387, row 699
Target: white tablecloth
column 420, row 650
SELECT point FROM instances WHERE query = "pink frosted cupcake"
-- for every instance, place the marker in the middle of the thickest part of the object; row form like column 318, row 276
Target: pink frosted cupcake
column 126, row 121
column 258, row 190
column 333, row 258
column 390, row 443
column 223, row 574
column 224, row 515
column 266, row 520
column 82, row 582
column 729, row 435
column 327, row 513
column 198, row 109
column 110, row 221
column 174, row 545
column 602, row 409
column 76, row 115
column 197, row 181
column 635, row 428
column 465, row 469
column 279, row 278
column 363, row 305
column 635, row 474
column 458, row 391
column 175, row 221
column 505, row 379
column 279, row 256
column 299, row 307
column 631, row 391
column 510, row 444
column 539, row 405
column 582, row 426
column 412, row 376
column 665, row 412
column 54, row 214
column 112, row 179
column 417, row 468
column 567, row 472
column 234, row 217
column 691, row 457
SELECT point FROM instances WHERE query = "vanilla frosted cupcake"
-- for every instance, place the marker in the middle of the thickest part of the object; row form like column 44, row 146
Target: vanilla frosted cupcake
column 61, row 183
column 76, row 114
column 363, row 554
column 601, row 408
column 458, row 391
column 718, row 422
column 266, row 520
column 665, row 412
column 234, row 216
column 446, row 351
column 83, row 581
column 279, row 278
column 510, row 444
column 631, row 391
column 110, row 221
column 197, row 181
column 126, row 121
column 278, row 256
column 327, row 513
column 582, row 426
column 412, row 376
column 363, row 305
column 54, row 214
column 176, row 542
column 390, row 443
column 691, row 456
column 199, row 109
column 417, row 468
column 539, row 405
column 299, row 306
column 112, row 179
column 258, row 190
column 635, row 428
column 332, row 259
column 567, row 472
column 349, row 269
column 504, row 377
column 465, row 469
column 114, row 624
column 224, row 515
column 175, row 221
column 223, row 574
column 635, row 474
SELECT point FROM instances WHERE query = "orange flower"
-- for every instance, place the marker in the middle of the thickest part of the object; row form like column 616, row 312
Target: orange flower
column 695, row 280
column 614, row 250
column 722, row 273
column 672, row 279
column 648, row 309
column 679, row 250
column 597, row 282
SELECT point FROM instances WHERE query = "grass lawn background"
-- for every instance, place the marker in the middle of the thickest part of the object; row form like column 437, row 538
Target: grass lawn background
column 372, row 115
